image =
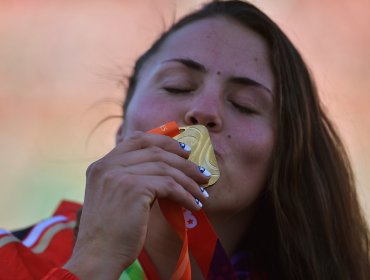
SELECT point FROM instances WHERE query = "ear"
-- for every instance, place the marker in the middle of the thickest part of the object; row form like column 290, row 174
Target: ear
column 120, row 134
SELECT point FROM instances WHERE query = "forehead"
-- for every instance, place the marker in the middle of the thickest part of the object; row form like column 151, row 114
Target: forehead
column 221, row 45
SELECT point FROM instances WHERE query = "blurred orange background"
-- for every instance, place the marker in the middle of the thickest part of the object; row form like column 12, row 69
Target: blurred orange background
column 63, row 66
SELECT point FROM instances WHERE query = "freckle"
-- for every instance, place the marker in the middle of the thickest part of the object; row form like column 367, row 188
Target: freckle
column 229, row 136
column 218, row 73
column 255, row 59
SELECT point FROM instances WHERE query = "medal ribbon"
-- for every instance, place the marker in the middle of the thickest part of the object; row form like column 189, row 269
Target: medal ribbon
column 196, row 233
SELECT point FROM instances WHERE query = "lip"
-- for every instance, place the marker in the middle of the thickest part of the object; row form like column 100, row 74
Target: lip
column 218, row 156
column 218, row 162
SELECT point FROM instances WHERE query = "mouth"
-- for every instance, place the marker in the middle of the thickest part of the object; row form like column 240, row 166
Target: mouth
column 217, row 154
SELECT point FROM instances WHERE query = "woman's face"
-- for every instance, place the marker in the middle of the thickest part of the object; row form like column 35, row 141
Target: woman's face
column 216, row 73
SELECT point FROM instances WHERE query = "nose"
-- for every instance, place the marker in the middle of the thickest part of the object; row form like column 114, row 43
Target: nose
column 205, row 110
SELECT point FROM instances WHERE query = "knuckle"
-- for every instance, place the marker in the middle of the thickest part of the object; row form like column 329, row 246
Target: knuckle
column 162, row 165
column 136, row 137
column 95, row 168
column 190, row 167
column 156, row 153
column 155, row 150
column 130, row 185
column 127, row 179
column 110, row 176
column 170, row 183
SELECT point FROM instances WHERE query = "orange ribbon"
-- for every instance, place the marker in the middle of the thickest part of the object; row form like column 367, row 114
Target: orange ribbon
column 193, row 228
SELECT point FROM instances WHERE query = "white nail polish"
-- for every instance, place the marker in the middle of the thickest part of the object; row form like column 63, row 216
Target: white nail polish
column 204, row 171
column 185, row 147
column 204, row 192
column 199, row 203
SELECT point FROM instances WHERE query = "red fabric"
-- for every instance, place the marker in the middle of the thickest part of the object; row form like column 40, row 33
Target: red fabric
column 148, row 266
column 18, row 262
column 60, row 274
column 52, row 248
column 68, row 209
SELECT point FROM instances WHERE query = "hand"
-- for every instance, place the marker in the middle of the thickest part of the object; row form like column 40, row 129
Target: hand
column 121, row 187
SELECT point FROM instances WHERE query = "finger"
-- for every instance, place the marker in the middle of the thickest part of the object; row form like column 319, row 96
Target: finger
column 163, row 169
column 151, row 187
column 129, row 190
column 160, row 156
column 126, row 184
column 141, row 140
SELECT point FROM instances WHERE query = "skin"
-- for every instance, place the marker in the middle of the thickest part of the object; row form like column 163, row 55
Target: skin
column 212, row 72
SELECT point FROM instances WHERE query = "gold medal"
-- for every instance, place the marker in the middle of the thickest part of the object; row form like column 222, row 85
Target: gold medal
column 202, row 153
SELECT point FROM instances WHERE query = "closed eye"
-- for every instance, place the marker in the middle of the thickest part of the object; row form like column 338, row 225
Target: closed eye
column 242, row 109
column 177, row 90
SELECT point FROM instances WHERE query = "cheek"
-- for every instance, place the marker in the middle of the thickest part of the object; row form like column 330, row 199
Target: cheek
column 252, row 154
column 148, row 111
column 257, row 146
column 244, row 167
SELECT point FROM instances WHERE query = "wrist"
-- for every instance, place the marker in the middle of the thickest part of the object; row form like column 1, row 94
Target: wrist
column 95, row 266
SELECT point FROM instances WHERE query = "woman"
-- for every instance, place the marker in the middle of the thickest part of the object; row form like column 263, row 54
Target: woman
column 286, row 197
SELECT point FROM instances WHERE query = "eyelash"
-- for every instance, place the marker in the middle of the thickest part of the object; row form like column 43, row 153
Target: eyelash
column 177, row 90
column 243, row 110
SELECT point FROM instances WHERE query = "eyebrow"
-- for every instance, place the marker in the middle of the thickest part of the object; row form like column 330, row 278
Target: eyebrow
column 201, row 68
column 249, row 82
column 189, row 63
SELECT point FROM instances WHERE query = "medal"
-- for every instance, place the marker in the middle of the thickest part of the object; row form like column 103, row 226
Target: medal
column 202, row 153
column 197, row 138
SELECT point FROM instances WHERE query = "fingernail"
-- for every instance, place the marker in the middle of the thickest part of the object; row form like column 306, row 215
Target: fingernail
column 204, row 171
column 204, row 192
column 185, row 147
column 199, row 203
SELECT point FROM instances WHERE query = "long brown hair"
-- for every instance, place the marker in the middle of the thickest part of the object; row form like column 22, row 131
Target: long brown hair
column 310, row 224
